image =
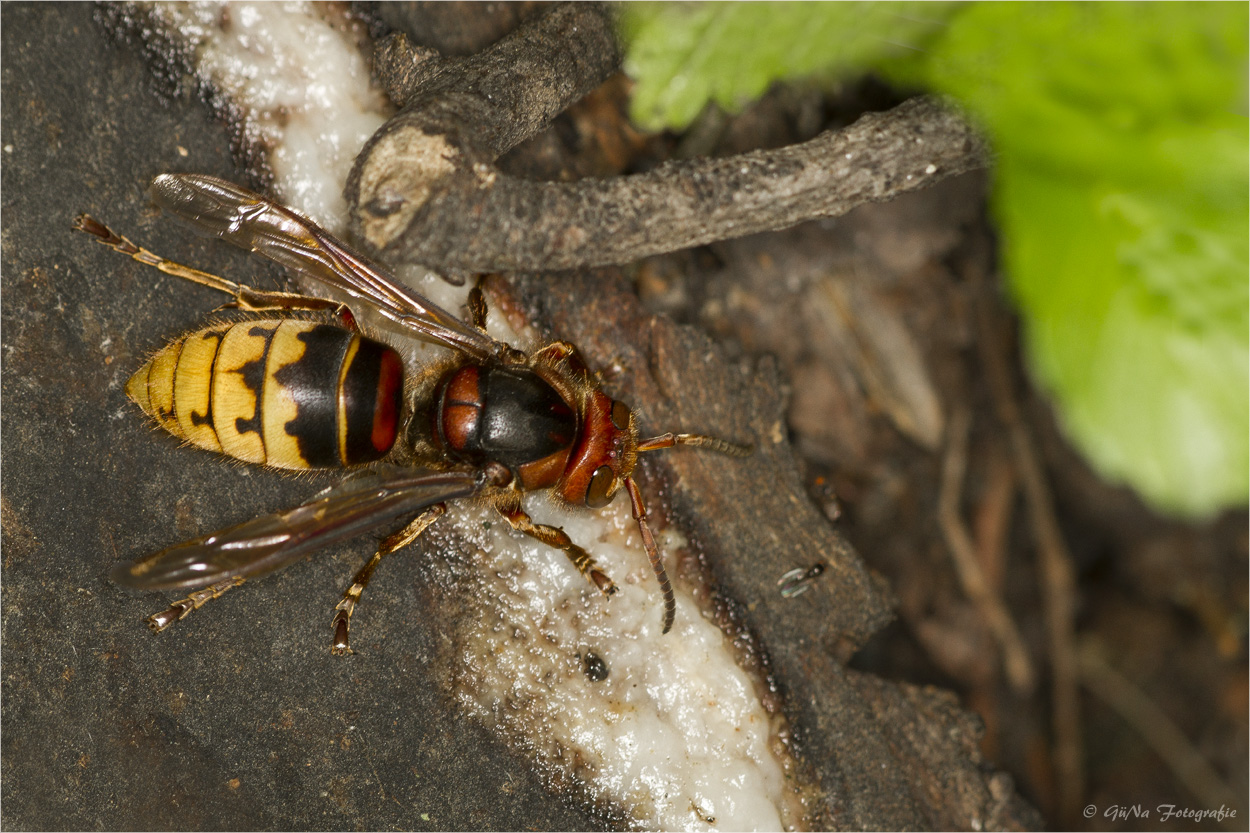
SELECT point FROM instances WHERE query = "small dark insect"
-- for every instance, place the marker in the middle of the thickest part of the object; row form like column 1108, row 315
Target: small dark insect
column 596, row 668
column 291, row 382
column 798, row 581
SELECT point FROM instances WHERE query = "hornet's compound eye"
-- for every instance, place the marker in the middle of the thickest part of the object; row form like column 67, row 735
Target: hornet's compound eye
column 599, row 492
column 620, row 415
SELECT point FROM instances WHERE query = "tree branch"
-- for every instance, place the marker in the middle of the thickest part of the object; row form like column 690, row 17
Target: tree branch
column 459, row 115
column 425, row 188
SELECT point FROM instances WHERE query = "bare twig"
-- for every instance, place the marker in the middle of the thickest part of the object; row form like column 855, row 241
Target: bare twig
column 425, row 188
column 994, row 516
column 1162, row 733
column 1055, row 562
column 459, row 115
column 993, row 611
column 501, row 96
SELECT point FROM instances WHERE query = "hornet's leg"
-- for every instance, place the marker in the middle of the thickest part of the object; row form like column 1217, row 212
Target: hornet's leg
column 396, row 541
column 555, row 537
column 477, row 306
column 244, row 296
column 180, row 609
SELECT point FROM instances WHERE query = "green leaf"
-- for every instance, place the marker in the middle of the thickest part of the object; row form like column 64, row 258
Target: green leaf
column 684, row 55
column 1133, row 323
column 1121, row 181
column 1121, row 190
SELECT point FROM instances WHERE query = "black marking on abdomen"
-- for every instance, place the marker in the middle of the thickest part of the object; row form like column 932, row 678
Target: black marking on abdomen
column 313, row 384
column 170, row 414
column 253, row 375
column 207, row 417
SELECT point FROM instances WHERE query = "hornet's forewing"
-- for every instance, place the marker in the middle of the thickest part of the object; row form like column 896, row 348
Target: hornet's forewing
column 258, row 224
column 265, row 544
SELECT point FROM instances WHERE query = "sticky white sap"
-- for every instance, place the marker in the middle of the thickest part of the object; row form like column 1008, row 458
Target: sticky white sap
column 303, row 85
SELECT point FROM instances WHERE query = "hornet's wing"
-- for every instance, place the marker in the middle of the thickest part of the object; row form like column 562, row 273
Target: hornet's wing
column 265, row 544
column 281, row 234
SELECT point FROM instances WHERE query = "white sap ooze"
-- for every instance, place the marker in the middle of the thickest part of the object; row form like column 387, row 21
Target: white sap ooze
column 675, row 734
column 296, row 71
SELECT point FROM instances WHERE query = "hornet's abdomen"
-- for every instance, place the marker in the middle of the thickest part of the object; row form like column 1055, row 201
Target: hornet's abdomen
column 280, row 392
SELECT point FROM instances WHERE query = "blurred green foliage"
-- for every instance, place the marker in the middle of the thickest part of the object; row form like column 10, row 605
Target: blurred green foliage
column 1121, row 186
column 683, row 55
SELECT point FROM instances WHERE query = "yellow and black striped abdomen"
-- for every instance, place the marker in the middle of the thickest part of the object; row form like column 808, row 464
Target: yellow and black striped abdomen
column 280, row 392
